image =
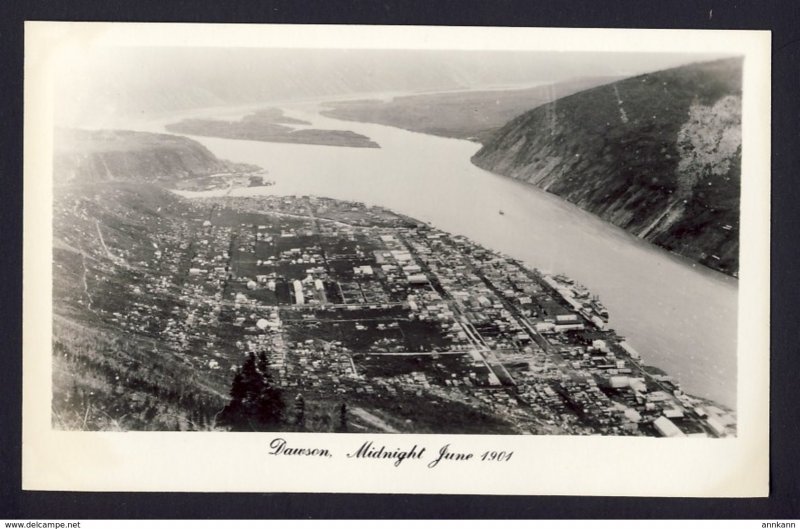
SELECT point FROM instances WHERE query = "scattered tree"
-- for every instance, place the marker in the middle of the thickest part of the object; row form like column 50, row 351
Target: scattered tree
column 342, row 418
column 256, row 403
column 300, row 412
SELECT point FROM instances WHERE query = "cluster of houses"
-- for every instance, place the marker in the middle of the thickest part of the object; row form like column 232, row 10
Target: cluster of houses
column 326, row 287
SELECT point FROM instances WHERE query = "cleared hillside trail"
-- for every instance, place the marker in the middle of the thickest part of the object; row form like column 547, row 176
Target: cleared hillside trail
column 373, row 420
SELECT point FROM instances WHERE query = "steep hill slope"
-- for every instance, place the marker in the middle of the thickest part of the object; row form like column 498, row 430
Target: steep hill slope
column 107, row 374
column 658, row 155
column 99, row 155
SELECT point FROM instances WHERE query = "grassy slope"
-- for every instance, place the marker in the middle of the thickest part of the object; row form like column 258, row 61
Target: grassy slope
column 106, row 377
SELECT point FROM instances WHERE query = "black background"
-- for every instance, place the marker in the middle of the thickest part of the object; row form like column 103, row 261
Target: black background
column 781, row 17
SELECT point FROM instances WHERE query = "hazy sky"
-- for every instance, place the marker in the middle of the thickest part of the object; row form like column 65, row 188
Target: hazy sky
column 124, row 81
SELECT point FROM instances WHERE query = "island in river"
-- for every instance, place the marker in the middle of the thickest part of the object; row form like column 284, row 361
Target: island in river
column 270, row 125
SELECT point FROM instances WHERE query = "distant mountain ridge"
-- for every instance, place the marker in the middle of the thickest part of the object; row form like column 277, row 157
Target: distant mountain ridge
column 473, row 115
column 114, row 83
column 658, row 155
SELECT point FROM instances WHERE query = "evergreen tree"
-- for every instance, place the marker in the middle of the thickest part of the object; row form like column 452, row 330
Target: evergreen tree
column 263, row 365
column 256, row 404
column 300, row 412
column 270, row 402
column 237, row 387
column 253, row 380
column 343, row 417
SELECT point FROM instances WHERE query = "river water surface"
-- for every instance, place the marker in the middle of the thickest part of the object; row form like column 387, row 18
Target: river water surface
column 680, row 317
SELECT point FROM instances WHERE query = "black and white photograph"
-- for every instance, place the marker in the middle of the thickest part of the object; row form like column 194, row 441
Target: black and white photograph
column 317, row 239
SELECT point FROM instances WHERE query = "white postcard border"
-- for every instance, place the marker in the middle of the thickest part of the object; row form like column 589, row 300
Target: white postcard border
column 544, row 465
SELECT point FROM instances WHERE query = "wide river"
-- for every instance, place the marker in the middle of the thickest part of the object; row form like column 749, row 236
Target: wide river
column 680, row 317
